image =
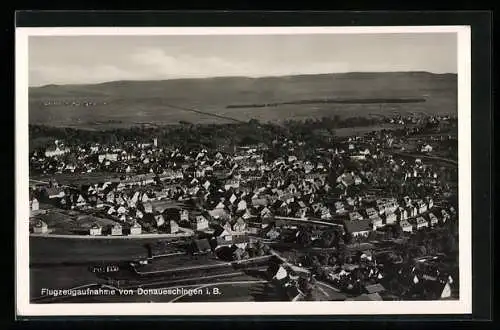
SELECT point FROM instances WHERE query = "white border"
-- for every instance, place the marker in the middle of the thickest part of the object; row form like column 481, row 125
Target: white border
column 462, row 306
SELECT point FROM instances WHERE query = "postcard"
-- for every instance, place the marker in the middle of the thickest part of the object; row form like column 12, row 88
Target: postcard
column 243, row 171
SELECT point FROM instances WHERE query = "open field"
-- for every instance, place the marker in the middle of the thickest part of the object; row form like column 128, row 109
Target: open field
column 59, row 250
column 70, row 222
column 75, row 179
column 126, row 103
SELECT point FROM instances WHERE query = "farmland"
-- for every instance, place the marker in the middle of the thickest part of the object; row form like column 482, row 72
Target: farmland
column 126, row 103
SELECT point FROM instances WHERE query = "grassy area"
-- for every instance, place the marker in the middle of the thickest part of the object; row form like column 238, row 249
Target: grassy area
column 58, row 250
column 118, row 104
column 69, row 222
column 76, row 179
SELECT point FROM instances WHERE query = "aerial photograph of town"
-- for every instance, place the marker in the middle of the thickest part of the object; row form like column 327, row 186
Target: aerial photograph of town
column 243, row 168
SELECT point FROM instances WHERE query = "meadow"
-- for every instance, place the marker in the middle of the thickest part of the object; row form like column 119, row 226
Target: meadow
column 122, row 104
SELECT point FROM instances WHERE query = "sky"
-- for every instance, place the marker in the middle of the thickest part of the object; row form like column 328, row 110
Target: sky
column 95, row 59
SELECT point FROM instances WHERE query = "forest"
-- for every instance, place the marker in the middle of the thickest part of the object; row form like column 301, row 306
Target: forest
column 188, row 136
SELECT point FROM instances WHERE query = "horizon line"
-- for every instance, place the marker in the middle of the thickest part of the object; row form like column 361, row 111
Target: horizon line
column 237, row 76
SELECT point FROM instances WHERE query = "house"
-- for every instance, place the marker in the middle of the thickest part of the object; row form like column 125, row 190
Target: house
column 325, row 213
column 355, row 216
column 121, row 210
column 228, row 227
column 406, row 226
column 184, row 215
column 430, row 202
column 232, row 183
column 219, row 213
column 280, row 274
column 148, row 207
column 387, row 205
column 426, row 148
column 444, row 216
column 99, row 203
column 371, row 212
column 247, row 215
column 40, row 227
column 272, row 233
column 421, row 223
column 239, row 225
column 111, row 211
column 172, row 227
column 159, row 219
column 358, row 228
column 377, row 222
column 201, row 222
column 390, row 218
column 95, row 230
column 135, row 229
column 339, row 207
column 116, row 230
column 55, row 152
column 110, row 197
column 223, row 235
column 242, row 205
column 357, row 180
column 433, row 220
column 34, row 205
column 402, row 214
column 412, row 211
column 421, row 206
column 266, row 213
column 55, row 192
column 80, row 202
column 347, row 179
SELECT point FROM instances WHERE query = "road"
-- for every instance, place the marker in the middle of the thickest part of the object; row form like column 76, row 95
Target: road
column 309, row 221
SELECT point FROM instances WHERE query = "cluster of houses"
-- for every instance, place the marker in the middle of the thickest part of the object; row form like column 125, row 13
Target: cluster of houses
column 242, row 191
column 409, row 215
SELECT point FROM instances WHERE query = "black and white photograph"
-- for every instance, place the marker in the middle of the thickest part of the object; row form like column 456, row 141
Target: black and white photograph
column 321, row 169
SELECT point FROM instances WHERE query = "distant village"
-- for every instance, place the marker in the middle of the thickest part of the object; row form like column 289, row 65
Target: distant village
column 367, row 189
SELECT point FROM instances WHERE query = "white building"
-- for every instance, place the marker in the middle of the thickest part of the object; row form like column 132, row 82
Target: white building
column 135, row 229
column 406, row 226
column 201, row 222
column 421, row 223
column 55, row 152
column 426, row 148
column 95, row 230
column 116, row 230
column 34, row 205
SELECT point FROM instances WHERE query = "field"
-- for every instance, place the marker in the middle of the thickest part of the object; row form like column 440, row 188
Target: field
column 60, row 250
column 69, row 222
column 75, row 179
column 126, row 103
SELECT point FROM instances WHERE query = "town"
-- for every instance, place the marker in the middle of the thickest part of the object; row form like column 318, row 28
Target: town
column 370, row 216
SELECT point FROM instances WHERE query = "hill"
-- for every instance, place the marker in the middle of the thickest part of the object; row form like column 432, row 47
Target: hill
column 124, row 103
